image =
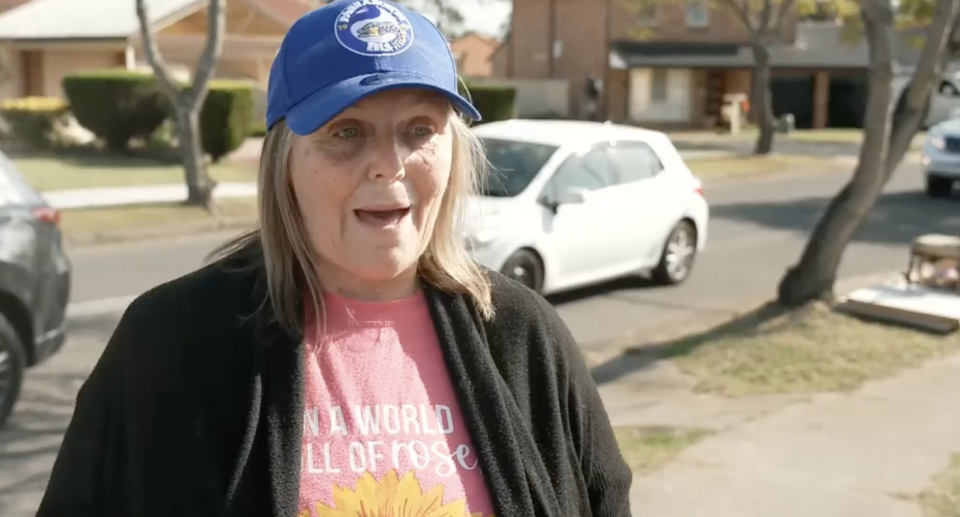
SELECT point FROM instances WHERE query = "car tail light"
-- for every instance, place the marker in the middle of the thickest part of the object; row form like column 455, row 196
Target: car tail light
column 698, row 186
column 47, row 215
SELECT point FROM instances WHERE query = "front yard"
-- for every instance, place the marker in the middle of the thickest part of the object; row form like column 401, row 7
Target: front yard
column 49, row 172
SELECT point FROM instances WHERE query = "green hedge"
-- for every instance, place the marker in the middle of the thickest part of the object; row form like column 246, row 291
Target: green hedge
column 116, row 105
column 493, row 102
column 33, row 121
column 226, row 119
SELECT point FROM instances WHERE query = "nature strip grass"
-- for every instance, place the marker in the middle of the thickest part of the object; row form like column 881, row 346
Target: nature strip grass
column 942, row 499
column 66, row 172
column 152, row 216
column 746, row 165
column 814, row 350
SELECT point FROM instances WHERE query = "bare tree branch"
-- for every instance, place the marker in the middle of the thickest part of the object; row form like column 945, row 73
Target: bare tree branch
column 937, row 37
column 742, row 10
column 152, row 52
column 216, row 27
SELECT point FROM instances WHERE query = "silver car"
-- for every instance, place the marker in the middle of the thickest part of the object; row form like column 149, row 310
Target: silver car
column 941, row 158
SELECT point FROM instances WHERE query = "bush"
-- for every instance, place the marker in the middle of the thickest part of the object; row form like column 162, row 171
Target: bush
column 116, row 105
column 226, row 119
column 494, row 102
column 34, row 121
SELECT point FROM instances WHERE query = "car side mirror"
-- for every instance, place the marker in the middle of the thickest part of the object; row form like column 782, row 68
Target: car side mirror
column 572, row 196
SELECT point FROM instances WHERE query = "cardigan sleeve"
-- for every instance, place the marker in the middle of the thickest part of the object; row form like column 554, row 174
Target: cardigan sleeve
column 607, row 475
column 77, row 482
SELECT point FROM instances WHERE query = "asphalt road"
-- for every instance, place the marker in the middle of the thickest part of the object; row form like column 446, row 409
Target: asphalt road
column 758, row 229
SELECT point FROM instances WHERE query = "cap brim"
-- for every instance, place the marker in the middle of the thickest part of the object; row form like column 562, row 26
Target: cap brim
column 320, row 107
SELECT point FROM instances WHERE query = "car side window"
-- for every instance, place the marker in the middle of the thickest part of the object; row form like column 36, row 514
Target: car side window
column 635, row 161
column 590, row 171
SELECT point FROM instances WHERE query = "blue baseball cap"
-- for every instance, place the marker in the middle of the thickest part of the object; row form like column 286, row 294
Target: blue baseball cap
column 340, row 53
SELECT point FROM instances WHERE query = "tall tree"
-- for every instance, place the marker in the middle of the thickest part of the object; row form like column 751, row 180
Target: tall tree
column 887, row 136
column 187, row 101
column 764, row 22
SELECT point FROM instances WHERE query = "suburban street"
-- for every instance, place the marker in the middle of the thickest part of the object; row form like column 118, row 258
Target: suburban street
column 758, row 228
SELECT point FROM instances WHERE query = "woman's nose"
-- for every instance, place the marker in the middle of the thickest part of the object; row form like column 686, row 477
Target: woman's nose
column 388, row 158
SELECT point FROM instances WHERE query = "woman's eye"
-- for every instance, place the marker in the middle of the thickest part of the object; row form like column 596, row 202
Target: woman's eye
column 422, row 131
column 350, row 132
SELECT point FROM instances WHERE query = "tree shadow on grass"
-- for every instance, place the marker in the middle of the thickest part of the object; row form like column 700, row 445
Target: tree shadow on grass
column 767, row 318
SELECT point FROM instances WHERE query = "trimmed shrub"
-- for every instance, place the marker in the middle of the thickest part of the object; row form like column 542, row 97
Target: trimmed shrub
column 34, row 121
column 494, row 102
column 226, row 119
column 116, row 105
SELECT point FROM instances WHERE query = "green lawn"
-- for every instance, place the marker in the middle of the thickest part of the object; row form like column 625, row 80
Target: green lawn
column 71, row 172
column 772, row 350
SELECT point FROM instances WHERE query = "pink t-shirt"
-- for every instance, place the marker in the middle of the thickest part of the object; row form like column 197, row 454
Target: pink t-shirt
column 383, row 434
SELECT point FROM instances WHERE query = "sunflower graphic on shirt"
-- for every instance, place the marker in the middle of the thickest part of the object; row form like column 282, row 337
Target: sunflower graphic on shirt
column 391, row 496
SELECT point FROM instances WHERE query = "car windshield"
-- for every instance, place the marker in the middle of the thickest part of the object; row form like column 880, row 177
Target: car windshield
column 514, row 165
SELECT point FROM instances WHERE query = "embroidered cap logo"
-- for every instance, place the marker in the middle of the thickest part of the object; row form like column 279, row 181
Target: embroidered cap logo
column 373, row 28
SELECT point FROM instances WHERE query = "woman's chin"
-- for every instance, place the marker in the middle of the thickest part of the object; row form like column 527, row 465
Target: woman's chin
column 382, row 266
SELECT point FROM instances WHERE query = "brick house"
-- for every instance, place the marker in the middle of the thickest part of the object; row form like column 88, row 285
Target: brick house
column 671, row 65
column 473, row 52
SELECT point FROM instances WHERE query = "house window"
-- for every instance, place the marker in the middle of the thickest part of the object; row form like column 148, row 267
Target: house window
column 658, row 84
column 698, row 13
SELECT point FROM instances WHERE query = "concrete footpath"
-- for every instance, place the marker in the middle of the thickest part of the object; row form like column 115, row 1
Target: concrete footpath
column 864, row 454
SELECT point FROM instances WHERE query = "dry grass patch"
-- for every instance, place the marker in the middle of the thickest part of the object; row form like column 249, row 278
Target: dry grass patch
column 648, row 448
column 942, row 499
column 99, row 220
column 811, row 350
column 748, row 165
column 72, row 172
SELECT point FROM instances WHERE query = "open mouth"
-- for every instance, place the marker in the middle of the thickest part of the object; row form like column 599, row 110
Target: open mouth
column 382, row 218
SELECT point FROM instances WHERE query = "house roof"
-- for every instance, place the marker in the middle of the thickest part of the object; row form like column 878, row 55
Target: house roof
column 286, row 10
column 88, row 19
column 6, row 5
column 107, row 19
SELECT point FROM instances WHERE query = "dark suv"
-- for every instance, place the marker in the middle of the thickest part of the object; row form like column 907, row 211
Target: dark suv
column 34, row 283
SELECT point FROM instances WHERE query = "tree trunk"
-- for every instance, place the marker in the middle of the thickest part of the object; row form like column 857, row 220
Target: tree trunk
column 189, row 101
column 761, row 102
column 887, row 138
column 200, row 185
column 814, row 276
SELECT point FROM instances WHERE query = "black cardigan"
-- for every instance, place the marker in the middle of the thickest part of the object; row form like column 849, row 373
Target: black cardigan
column 196, row 407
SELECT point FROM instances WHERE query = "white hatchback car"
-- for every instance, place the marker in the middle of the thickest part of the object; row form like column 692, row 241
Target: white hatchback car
column 574, row 203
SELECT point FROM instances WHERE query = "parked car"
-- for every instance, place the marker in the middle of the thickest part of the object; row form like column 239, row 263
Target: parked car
column 573, row 203
column 940, row 158
column 34, row 283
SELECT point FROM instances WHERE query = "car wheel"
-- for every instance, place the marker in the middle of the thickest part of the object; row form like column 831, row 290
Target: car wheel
column 676, row 260
column 13, row 362
column 525, row 267
column 938, row 186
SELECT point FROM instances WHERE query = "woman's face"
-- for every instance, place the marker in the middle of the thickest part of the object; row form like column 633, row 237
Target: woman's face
column 369, row 185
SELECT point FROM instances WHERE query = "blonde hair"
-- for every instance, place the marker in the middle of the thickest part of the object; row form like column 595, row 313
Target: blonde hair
column 289, row 260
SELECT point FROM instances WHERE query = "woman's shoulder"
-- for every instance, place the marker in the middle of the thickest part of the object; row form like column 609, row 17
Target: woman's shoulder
column 523, row 319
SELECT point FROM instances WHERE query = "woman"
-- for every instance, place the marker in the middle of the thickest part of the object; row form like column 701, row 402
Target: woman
column 347, row 359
